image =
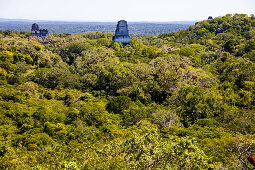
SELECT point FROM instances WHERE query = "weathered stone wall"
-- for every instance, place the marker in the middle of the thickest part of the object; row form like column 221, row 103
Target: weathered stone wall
column 121, row 33
column 43, row 33
column 35, row 30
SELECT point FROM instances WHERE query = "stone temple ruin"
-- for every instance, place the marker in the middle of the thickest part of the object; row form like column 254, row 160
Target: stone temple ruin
column 121, row 33
column 35, row 31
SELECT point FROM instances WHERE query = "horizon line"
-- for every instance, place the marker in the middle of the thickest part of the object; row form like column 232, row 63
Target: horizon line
column 45, row 20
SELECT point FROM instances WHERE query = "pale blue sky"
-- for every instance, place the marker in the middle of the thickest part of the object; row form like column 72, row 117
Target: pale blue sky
column 131, row 10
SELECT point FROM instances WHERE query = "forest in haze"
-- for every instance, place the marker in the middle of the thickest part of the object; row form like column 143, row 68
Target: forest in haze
column 179, row 100
column 136, row 29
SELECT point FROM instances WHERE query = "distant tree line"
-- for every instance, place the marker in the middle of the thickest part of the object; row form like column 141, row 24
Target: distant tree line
column 135, row 30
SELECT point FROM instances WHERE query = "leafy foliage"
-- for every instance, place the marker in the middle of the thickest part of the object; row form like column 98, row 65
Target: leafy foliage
column 182, row 100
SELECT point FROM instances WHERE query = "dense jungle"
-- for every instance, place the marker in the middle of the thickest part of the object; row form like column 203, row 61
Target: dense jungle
column 179, row 100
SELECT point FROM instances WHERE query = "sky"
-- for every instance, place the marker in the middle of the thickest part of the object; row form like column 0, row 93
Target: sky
column 130, row 10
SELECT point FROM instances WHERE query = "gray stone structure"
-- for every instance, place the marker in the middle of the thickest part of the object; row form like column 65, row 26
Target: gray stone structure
column 43, row 33
column 35, row 31
column 121, row 33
